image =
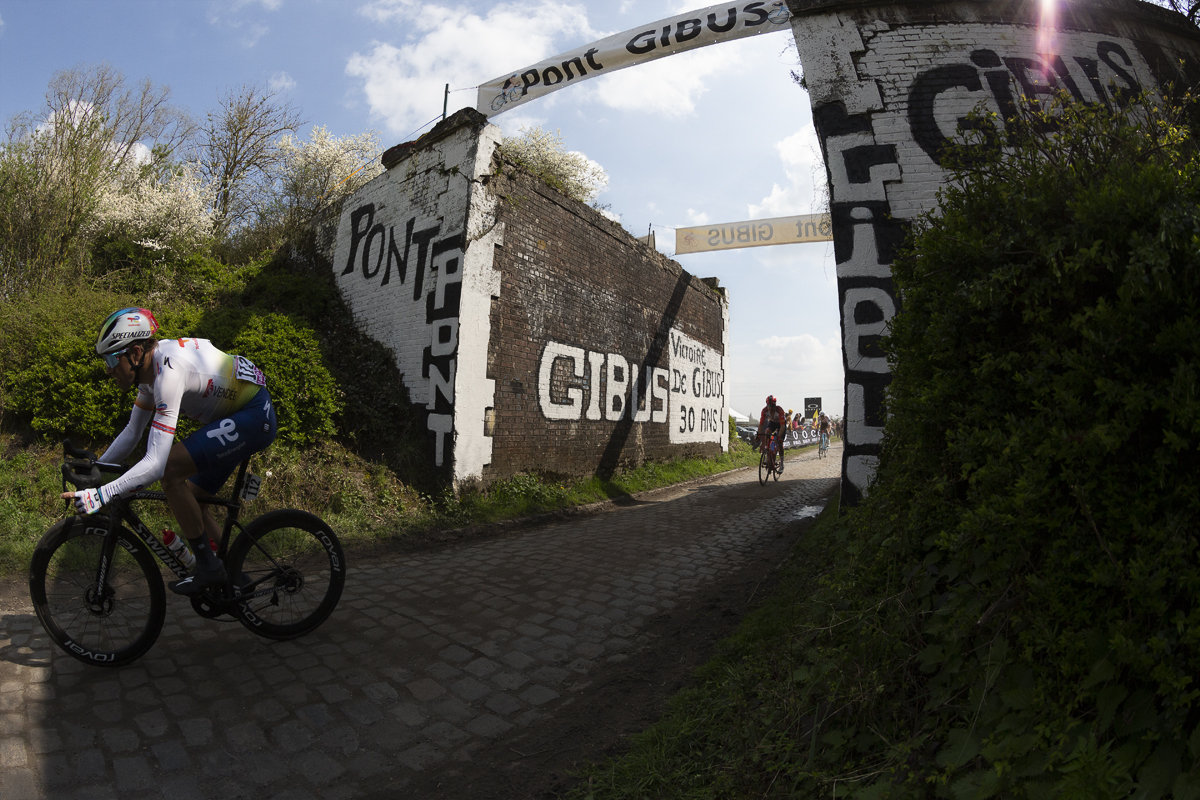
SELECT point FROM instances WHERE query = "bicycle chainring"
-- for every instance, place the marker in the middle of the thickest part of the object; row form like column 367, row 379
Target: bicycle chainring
column 205, row 607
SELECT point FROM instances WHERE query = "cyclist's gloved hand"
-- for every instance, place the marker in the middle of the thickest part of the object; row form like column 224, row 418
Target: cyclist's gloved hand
column 87, row 501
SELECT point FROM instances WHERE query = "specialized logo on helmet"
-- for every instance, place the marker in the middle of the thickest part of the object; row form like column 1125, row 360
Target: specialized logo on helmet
column 124, row 325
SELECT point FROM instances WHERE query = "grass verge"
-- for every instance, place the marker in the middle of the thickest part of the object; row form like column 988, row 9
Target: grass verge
column 360, row 499
column 744, row 720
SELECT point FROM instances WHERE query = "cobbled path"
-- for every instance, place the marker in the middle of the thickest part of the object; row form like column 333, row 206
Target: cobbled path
column 427, row 658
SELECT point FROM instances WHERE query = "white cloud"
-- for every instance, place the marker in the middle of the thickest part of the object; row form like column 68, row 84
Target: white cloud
column 669, row 86
column 697, row 217
column 804, row 352
column 388, row 10
column 229, row 15
column 512, row 123
column 403, row 83
column 805, row 170
column 281, row 82
column 140, row 153
column 254, row 32
column 798, row 367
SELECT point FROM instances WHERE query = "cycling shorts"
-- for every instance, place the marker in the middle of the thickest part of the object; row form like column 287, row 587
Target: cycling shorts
column 221, row 445
column 772, row 426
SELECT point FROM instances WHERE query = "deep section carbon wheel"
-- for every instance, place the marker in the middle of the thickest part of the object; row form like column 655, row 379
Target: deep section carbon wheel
column 105, row 626
column 289, row 567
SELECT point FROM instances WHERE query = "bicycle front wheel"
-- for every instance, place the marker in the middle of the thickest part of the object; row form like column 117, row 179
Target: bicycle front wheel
column 764, row 469
column 105, row 626
column 292, row 570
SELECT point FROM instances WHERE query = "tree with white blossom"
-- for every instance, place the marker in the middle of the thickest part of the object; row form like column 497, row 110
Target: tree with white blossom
column 159, row 210
column 55, row 166
column 544, row 154
column 322, row 171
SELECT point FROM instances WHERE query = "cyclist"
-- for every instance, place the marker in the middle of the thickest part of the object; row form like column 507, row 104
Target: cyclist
column 771, row 421
column 226, row 394
column 824, row 426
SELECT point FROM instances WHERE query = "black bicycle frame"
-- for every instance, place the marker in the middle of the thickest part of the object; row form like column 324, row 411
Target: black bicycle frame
column 120, row 511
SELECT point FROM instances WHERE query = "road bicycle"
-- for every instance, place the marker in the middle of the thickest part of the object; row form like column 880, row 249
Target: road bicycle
column 100, row 596
column 770, row 463
column 823, row 449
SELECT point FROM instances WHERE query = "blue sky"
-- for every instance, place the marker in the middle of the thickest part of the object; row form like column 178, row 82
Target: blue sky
column 716, row 135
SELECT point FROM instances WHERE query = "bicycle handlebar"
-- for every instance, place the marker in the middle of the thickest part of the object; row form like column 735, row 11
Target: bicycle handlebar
column 81, row 468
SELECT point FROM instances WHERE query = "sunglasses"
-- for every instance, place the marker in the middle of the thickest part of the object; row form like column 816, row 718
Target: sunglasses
column 112, row 359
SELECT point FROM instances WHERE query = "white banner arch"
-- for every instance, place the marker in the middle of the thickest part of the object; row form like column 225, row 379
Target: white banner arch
column 678, row 34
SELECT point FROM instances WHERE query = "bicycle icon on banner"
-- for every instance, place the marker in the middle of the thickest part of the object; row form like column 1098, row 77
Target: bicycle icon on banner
column 510, row 93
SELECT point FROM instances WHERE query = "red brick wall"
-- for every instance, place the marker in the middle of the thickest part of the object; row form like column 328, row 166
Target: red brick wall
column 577, row 282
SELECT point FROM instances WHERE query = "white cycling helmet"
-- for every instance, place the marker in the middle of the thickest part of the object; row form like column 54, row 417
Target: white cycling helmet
column 124, row 328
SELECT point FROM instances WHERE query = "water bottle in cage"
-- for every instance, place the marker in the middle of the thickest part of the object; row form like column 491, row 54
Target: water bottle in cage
column 179, row 547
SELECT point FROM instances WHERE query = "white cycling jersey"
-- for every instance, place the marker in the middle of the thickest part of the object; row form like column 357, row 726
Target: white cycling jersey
column 191, row 377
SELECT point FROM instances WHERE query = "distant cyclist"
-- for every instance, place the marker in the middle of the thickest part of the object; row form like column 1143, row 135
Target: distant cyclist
column 825, row 427
column 771, row 423
column 226, row 394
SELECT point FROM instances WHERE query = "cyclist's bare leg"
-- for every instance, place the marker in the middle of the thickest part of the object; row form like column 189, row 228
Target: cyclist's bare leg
column 180, row 498
column 212, row 529
column 186, row 508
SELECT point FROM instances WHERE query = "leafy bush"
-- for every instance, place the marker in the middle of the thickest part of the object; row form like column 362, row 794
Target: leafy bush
column 64, row 389
column 1023, row 613
column 50, row 377
column 305, row 395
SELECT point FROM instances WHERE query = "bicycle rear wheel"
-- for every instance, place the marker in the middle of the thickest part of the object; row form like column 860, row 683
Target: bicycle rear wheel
column 106, row 627
column 294, row 572
column 778, row 464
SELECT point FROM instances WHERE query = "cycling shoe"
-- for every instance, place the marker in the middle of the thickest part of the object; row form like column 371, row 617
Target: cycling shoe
column 198, row 581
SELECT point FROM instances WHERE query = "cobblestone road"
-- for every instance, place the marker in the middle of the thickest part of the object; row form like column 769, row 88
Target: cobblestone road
column 427, row 658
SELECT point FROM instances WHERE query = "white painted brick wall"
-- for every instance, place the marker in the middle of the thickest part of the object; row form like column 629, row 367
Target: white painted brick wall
column 436, row 192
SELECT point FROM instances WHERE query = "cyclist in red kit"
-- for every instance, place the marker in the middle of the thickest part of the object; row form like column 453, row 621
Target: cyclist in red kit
column 771, row 422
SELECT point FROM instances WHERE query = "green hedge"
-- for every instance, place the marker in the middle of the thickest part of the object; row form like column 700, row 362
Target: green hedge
column 306, row 399
column 54, row 383
column 1013, row 610
column 62, row 388
column 1022, row 619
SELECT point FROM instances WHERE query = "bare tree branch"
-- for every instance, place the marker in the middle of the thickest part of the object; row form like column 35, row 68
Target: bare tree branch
column 237, row 153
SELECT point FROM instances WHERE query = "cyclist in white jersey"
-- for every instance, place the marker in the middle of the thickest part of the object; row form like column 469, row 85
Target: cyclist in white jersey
column 226, row 394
